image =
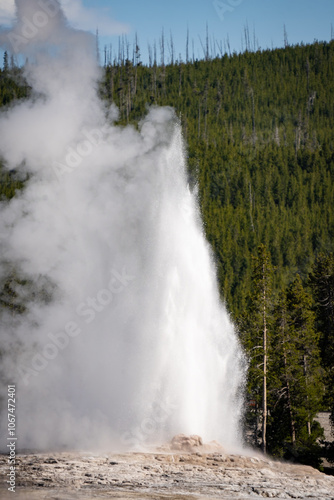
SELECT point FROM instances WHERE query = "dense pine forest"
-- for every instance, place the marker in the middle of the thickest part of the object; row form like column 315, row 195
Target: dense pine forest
column 259, row 130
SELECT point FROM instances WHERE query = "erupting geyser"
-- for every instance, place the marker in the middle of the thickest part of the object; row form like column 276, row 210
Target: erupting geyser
column 123, row 340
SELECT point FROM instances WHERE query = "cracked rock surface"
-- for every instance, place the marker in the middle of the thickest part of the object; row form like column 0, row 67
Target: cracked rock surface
column 158, row 476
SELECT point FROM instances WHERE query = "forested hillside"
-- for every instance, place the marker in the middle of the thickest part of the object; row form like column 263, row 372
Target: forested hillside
column 260, row 133
column 259, row 128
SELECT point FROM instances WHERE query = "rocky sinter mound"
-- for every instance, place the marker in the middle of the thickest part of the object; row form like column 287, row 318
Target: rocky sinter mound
column 193, row 443
column 186, row 469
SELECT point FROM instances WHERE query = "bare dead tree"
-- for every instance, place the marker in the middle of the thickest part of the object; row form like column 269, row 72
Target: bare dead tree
column 306, row 376
column 207, row 53
column 251, row 92
column 110, row 55
column 219, row 98
column 155, row 53
column 228, row 44
column 127, row 48
column 202, row 45
column 286, row 42
column 136, row 61
column 111, row 80
column 97, row 46
column 212, row 48
column 206, row 111
column 136, row 51
column 171, row 49
column 276, row 136
column 119, row 51
column 247, row 37
column 308, row 75
column 220, row 48
column 251, row 207
column 298, row 132
column 205, row 47
column 105, row 56
column 150, row 57
column 199, row 119
column 162, row 57
column 162, row 48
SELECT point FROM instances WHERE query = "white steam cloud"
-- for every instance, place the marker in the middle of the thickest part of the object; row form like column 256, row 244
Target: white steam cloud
column 7, row 11
column 78, row 15
column 123, row 340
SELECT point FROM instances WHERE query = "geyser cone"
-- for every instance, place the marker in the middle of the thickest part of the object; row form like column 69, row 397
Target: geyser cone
column 120, row 338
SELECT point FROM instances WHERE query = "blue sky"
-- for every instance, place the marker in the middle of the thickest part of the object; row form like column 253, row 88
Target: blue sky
column 305, row 21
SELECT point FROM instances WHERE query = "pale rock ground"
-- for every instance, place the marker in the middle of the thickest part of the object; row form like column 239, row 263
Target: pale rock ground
column 200, row 473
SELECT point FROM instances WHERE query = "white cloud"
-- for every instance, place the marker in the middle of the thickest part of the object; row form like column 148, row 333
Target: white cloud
column 81, row 17
column 7, row 11
column 90, row 18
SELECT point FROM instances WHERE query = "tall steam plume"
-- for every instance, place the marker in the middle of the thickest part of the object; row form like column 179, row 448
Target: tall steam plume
column 119, row 337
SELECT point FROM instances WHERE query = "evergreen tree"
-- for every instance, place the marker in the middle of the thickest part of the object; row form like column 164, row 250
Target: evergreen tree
column 308, row 383
column 304, row 366
column 282, row 425
column 322, row 283
column 5, row 62
column 297, row 388
column 255, row 332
